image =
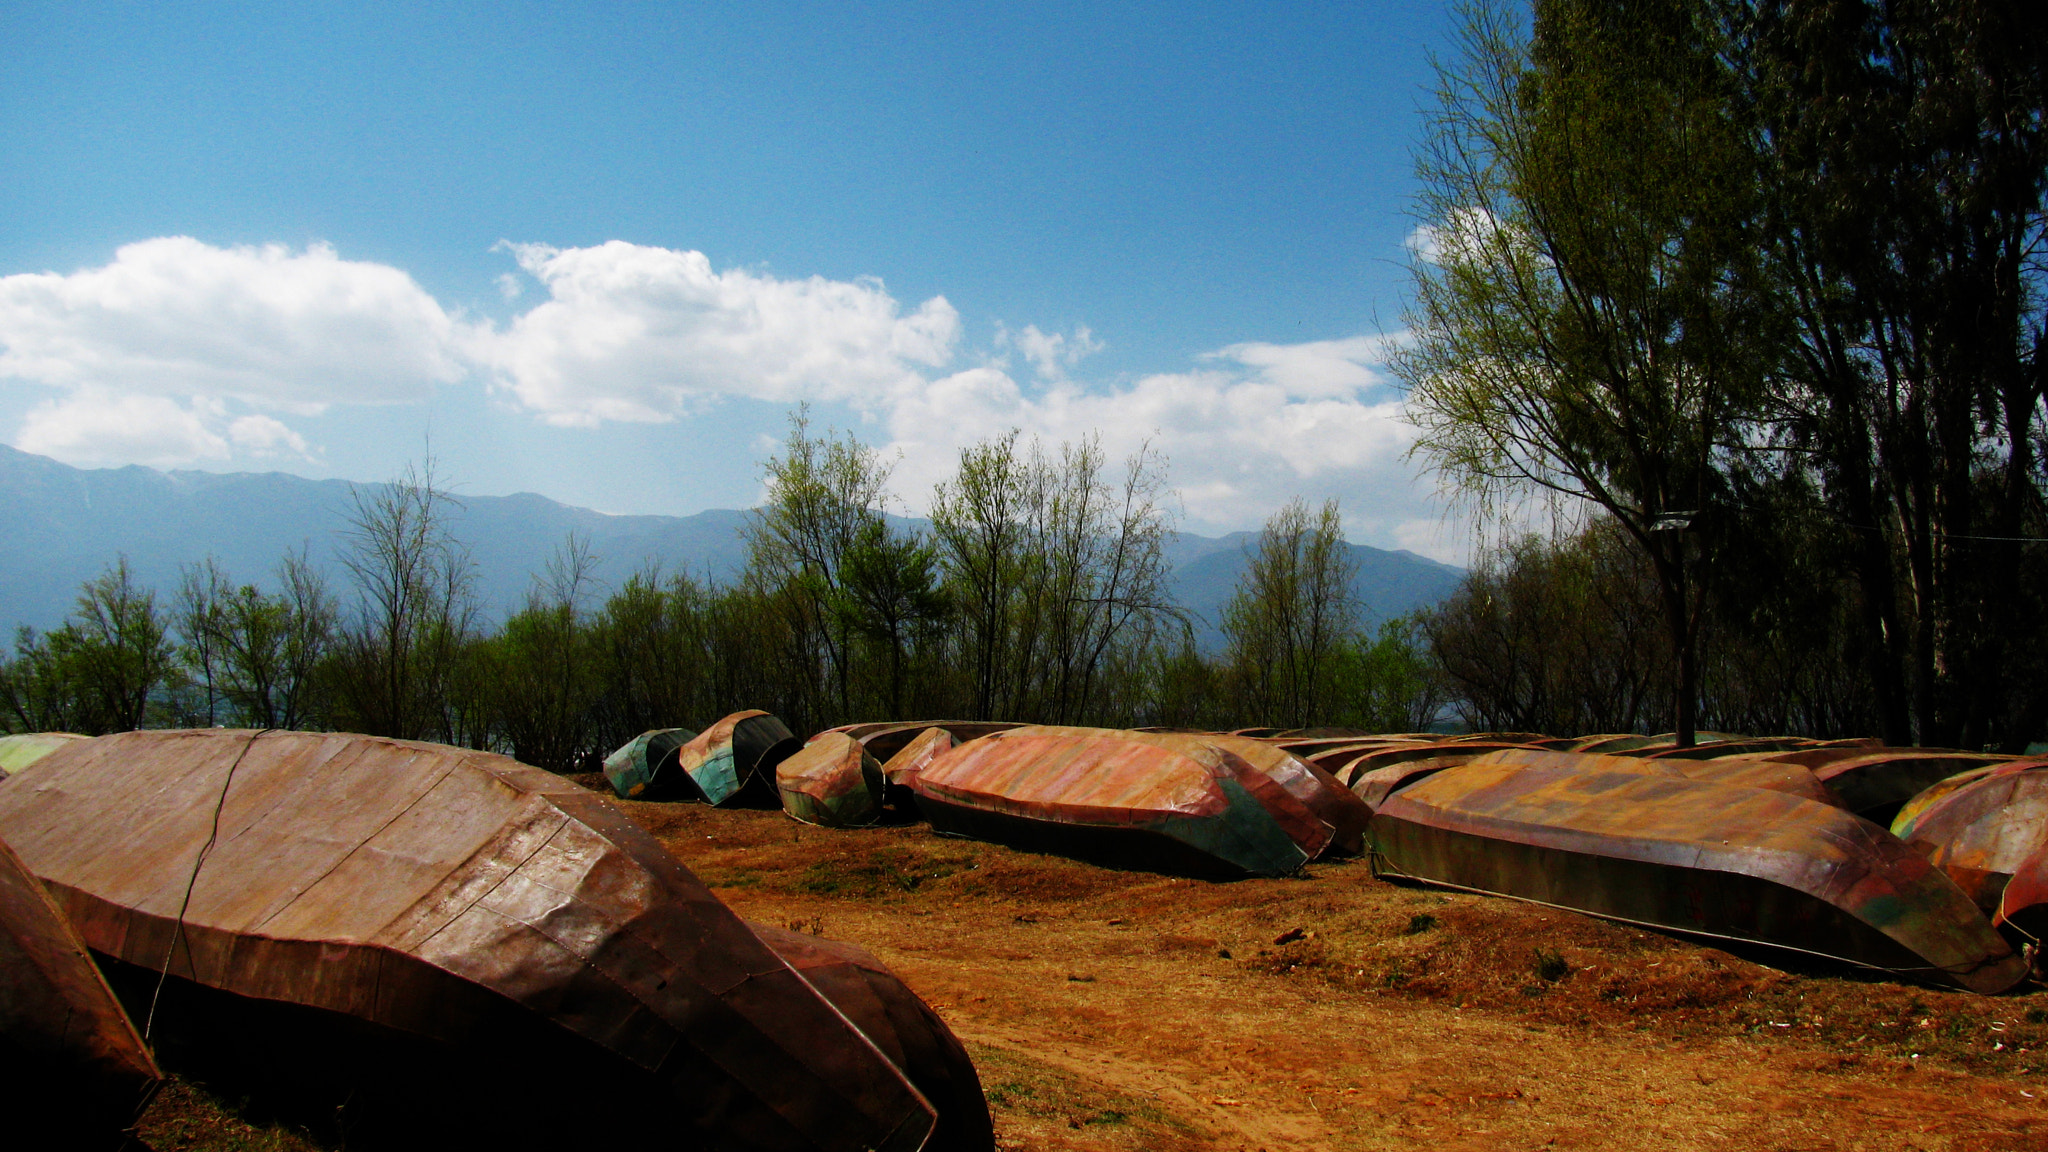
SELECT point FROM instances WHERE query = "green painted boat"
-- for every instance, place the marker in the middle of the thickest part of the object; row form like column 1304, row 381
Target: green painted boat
column 644, row 768
column 737, row 756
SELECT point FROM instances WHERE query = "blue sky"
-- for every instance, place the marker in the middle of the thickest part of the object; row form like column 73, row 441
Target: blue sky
column 599, row 251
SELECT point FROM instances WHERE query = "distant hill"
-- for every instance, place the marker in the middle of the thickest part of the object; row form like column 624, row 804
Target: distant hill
column 63, row 525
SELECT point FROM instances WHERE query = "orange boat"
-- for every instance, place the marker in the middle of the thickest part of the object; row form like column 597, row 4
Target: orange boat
column 1144, row 801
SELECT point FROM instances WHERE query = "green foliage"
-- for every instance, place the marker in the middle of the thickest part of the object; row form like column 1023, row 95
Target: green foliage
column 399, row 651
column 253, row 658
column 101, row 671
column 1290, row 617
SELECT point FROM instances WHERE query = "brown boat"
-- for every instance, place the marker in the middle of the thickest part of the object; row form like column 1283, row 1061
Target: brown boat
column 1710, row 859
column 1981, row 832
column 903, row 1026
column 900, row 769
column 884, row 740
column 70, row 1058
column 1877, row 784
column 25, row 748
column 1790, row 779
column 1451, row 751
column 736, row 757
column 1142, row 801
column 1317, row 790
column 383, row 897
column 831, row 782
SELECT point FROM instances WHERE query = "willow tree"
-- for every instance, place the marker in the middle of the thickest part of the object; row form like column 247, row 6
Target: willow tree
column 1586, row 295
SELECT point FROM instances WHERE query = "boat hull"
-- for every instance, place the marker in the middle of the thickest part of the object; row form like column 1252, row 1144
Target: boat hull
column 69, row 1053
column 1716, row 860
column 1140, row 801
column 457, row 898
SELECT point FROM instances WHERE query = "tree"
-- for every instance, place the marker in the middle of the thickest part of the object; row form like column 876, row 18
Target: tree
column 1908, row 162
column 891, row 596
column 540, row 688
column 1054, row 568
column 257, row 654
column 1290, row 616
column 101, row 670
column 1587, row 309
column 414, row 612
column 979, row 519
column 824, row 496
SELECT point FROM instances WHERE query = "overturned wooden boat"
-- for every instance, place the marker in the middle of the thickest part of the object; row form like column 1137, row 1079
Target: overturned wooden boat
column 1711, row 859
column 883, row 740
column 831, row 782
column 1449, row 751
column 401, row 894
column 903, row 1026
column 736, row 756
column 644, row 768
column 70, row 1057
column 900, row 769
column 1876, row 784
column 1316, row 789
column 25, row 748
column 1983, row 830
column 1146, row 801
column 1771, row 776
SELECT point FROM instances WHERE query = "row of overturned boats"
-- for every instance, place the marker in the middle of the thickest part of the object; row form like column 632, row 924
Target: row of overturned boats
column 1925, row 864
column 426, row 946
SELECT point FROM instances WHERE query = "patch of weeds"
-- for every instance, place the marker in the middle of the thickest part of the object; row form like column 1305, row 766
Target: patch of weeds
column 2037, row 1015
column 1107, row 1116
column 1008, row 1093
column 1395, row 975
column 878, row 874
column 1550, row 967
column 1419, row 923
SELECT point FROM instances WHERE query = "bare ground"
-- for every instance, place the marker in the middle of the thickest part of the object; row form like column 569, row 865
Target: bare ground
column 1120, row 1010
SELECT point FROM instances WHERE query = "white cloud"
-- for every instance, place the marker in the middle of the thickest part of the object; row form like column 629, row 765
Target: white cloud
column 1051, row 353
column 1267, row 422
column 177, row 352
column 92, row 428
column 263, row 436
column 175, row 317
column 633, row 333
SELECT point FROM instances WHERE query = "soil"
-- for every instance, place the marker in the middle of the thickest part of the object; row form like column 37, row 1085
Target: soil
column 1111, row 1010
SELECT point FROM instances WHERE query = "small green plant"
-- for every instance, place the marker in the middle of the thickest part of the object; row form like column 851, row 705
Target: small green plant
column 2037, row 1015
column 1550, row 966
column 1006, row 1094
column 1419, row 923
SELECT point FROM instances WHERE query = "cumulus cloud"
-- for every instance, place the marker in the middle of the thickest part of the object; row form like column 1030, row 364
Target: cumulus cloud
column 94, row 428
column 177, row 352
column 176, row 317
column 633, row 333
column 1254, row 426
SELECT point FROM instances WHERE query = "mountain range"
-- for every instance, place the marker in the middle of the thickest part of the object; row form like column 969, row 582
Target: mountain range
column 65, row 525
